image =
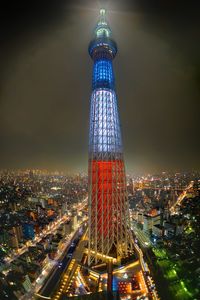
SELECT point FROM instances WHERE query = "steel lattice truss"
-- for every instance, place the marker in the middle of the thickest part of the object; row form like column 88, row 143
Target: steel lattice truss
column 108, row 205
column 105, row 135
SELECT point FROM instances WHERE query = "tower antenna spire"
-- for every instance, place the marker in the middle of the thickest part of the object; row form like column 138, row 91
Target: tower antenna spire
column 102, row 16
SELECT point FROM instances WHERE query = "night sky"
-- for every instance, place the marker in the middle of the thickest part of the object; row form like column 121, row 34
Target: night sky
column 45, row 83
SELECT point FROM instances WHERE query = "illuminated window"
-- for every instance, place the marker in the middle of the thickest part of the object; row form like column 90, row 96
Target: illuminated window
column 101, row 32
column 103, row 74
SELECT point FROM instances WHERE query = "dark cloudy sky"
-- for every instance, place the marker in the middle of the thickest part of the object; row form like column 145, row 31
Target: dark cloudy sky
column 45, row 82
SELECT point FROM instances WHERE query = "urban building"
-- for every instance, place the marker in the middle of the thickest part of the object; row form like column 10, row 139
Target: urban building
column 169, row 229
column 150, row 221
column 28, row 230
column 140, row 218
column 158, row 230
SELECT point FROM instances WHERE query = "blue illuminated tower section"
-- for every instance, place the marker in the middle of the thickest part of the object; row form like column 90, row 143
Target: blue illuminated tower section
column 108, row 205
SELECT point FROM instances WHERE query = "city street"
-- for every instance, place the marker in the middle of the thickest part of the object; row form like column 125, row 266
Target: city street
column 50, row 228
column 142, row 237
column 62, row 263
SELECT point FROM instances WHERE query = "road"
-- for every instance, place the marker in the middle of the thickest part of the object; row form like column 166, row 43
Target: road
column 146, row 280
column 181, row 197
column 54, row 277
column 72, row 269
column 51, row 228
column 142, row 237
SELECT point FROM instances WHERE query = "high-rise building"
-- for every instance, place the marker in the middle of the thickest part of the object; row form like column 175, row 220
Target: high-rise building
column 28, row 230
column 109, row 233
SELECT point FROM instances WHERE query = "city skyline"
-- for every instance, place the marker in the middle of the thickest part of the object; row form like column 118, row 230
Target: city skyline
column 40, row 123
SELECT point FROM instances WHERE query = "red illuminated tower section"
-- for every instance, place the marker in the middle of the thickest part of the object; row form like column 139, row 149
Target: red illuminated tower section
column 108, row 204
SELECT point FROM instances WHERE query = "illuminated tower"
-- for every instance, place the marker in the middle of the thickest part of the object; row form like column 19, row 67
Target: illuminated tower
column 108, row 204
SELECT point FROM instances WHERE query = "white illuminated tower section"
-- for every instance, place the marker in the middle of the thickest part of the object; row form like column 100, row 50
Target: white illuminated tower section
column 108, row 204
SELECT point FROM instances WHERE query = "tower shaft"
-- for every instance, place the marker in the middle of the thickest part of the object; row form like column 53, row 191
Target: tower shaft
column 108, row 204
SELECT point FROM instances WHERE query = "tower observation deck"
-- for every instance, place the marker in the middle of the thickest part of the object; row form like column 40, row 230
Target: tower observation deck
column 109, row 222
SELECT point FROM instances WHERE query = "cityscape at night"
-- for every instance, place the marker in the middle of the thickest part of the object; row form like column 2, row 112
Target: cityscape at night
column 43, row 224
column 99, row 156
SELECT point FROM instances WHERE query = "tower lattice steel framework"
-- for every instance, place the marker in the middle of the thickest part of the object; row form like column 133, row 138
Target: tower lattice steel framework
column 108, row 205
